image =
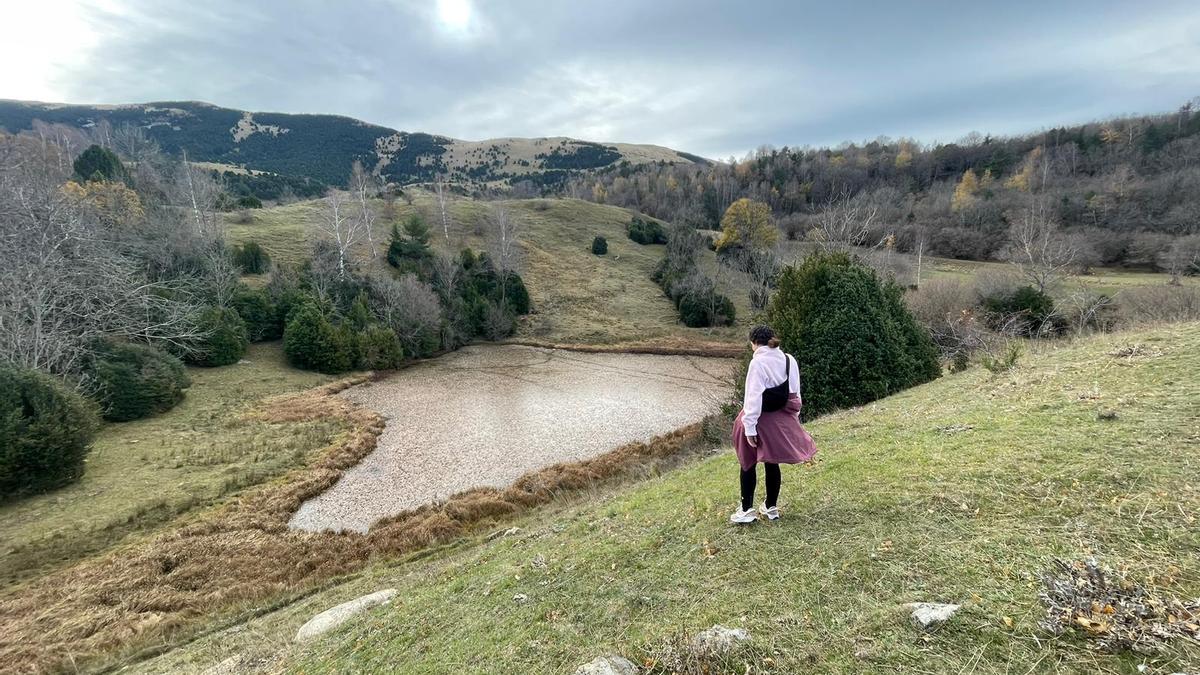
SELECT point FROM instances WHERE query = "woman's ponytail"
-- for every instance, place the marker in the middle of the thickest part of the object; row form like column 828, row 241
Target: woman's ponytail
column 773, row 342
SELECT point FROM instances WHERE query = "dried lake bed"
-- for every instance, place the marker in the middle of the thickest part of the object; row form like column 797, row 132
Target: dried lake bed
column 485, row 415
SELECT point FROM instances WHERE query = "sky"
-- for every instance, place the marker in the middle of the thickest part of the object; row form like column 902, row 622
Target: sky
column 713, row 77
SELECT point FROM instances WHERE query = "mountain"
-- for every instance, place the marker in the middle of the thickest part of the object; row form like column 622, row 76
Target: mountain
column 323, row 147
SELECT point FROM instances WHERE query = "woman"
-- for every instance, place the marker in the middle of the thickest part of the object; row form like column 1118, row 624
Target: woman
column 768, row 428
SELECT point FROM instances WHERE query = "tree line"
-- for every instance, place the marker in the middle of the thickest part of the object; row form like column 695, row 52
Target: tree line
column 1126, row 189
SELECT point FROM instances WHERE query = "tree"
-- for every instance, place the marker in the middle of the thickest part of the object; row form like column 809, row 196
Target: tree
column 1182, row 258
column 504, row 232
column 599, row 245
column 844, row 222
column 441, row 191
column 97, row 163
column 410, row 251
column 69, row 276
column 850, row 332
column 312, row 342
column 410, row 308
column 747, row 224
column 361, row 184
column 965, row 191
column 1036, row 247
column 342, row 228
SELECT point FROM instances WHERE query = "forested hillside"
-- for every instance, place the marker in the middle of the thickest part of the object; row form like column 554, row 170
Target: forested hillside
column 1125, row 188
column 324, row 147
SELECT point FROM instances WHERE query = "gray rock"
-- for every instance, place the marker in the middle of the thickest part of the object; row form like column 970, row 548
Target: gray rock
column 719, row 639
column 607, row 665
column 336, row 616
column 931, row 614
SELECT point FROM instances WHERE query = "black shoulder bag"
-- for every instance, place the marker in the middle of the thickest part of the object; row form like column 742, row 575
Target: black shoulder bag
column 776, row 398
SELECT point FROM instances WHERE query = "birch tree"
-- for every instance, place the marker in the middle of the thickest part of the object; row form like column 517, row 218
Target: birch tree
column 361, row 184
column 503, row 232
column 440, row 190
column 341, row 227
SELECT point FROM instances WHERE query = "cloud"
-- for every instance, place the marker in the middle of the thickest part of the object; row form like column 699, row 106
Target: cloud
column 715, row 78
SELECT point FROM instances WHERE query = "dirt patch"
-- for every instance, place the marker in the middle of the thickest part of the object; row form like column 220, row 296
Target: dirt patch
column 231, row 558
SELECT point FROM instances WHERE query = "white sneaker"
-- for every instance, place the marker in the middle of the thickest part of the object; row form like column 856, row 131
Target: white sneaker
column 771, row 513
column 743, row 517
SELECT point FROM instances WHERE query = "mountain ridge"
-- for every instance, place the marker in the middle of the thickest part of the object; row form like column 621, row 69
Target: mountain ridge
column 324, row 146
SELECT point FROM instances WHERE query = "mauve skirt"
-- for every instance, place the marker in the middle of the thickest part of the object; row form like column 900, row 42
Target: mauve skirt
column 781, row 439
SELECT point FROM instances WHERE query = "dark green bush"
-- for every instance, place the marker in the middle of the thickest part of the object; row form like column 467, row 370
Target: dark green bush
column 312, row 342
column 1026, row 311
column 135, row 381
column 851, row 334
column 707, row 308
column 45, row 432
column 646, row 231
column 599, row 245
column 248, row 202
column 515, row 294
column 252, row 258
column 379, row 349
column 226, row 341
column 258, row 313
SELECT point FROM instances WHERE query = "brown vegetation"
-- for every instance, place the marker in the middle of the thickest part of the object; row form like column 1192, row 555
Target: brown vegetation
column 162, row 589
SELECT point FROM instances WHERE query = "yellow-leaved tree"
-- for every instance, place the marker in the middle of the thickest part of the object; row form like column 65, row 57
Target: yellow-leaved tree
column 965, row 191
column 111, row 202
column 747, row 223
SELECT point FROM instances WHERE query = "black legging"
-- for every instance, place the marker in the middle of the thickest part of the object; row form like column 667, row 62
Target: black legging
column 750, row 477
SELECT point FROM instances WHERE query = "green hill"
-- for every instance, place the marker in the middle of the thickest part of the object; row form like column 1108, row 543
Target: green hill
column 963, row 490
column 578, row 297
column 325, row 146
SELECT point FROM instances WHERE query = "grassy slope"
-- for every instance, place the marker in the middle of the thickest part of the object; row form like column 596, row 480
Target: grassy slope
column 140, row 474
column 578, row 297
column 901, row 507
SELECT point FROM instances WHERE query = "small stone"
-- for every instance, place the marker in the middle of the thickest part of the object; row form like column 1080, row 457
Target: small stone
column 719, row 639
column 1107, row 415
column 931, row 614
column 520, row 598
column 336, row 616
column 607, row 665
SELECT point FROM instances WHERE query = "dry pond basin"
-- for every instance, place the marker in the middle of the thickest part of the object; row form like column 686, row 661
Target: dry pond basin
column 485, row 415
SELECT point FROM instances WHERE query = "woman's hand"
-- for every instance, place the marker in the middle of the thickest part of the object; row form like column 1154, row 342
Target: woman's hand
column 753, row 441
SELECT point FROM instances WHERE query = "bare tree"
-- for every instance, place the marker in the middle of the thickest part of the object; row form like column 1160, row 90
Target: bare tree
column 133, row 145
column 65, row 279
column 1039, row 251
column 845, row 222
column 503, row 233
column 361, row 186
column 408, row 306
column 440, row 190
column 1183, row 257
column 342, row 228
column 196, row 190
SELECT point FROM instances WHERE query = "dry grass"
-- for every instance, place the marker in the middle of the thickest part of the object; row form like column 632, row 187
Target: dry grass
column 142, row 474
column 228, row 560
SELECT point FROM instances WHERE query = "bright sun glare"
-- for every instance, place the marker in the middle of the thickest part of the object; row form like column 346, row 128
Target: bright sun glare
column 454, row 14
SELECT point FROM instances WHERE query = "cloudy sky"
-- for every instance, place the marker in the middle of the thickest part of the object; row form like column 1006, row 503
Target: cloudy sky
column 711, row 77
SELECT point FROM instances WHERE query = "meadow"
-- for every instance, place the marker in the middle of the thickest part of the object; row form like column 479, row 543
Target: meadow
column 964, row 490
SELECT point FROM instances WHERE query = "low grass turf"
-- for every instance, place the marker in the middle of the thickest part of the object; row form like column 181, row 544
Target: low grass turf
column 962, row 490
column 140, row 474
